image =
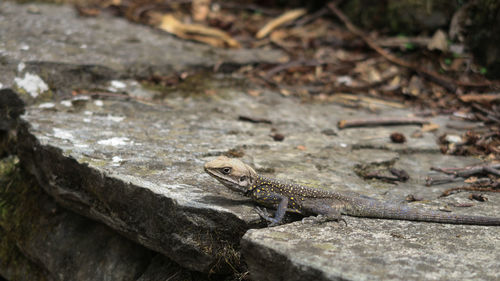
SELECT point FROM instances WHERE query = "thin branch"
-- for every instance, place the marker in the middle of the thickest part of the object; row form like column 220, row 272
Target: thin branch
column 471, row 170
column 467, row 188
column 254, row 119
column 477, row 170
column 384, row 121
column 442, row 180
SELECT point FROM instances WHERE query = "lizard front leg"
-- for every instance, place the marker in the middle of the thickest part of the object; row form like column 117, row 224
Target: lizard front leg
column 273, row 198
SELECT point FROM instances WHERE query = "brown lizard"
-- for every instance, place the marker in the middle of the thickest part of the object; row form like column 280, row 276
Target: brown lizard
column 287, row 197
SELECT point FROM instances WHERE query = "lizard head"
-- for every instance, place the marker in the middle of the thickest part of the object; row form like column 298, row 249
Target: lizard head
column 232, row 173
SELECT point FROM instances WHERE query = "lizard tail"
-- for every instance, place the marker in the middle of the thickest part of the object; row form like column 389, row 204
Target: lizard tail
column 376, row 209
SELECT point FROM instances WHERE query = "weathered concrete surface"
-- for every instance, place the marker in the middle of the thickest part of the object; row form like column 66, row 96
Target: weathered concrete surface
column 70, row 52
column 372, row 250
column 138, row 169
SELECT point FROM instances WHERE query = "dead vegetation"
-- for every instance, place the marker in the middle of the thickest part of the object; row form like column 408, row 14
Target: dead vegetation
column 329, row 59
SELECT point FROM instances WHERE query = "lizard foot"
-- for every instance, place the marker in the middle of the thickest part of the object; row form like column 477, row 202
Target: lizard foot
column 264, row 214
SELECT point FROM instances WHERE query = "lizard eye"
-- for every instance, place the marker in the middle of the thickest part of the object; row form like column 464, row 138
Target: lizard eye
column 226, row 170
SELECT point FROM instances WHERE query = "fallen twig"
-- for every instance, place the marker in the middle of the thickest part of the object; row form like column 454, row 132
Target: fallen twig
column 486, row 136
column 491, row 116
column 466, row 188
column 384, row 121
column 309, row 18
column 254, row 119
column 473, row 169
column 379, row 176
column 477, row 170
column 429, row 181
column 482, row 98
column 401, row 42
column 491, row 171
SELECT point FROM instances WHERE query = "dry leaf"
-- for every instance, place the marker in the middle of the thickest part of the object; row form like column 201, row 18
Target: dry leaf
column 254, row 93
column 438, row 41
column 208, row 35
column 200, row 9
column 284, row 18
column 415, row 86
column 430, row 127
column 285, row 92
column 471, row 180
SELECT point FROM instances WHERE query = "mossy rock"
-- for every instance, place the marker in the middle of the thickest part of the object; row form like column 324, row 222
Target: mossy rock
column 15, row 216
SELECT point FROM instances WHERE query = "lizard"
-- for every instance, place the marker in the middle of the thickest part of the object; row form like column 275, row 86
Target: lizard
column 308, row 201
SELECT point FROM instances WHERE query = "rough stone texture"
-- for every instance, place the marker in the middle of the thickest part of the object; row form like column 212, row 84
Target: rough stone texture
column 71, row 52
column 11, row 107
column 138, row 168
column 60, row 244
column 369, row 249
column 42, row 241
column 162, row 269
column 372, row 250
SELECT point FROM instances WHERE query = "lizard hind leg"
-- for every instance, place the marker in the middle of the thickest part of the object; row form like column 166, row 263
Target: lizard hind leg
column 327, row 210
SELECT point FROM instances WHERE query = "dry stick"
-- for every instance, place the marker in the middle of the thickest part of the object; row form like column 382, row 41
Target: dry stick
column 491, row 171
column 486, row 136
column 443, row 180
column 478, row 170
column 384, row 121
column 459, row 174
column 489, row 114
column 467, row 188
column 455, row 171
column 448, row 171
column 386, row 178
column 431, row 75
column 254, row 119
column 309, row 18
